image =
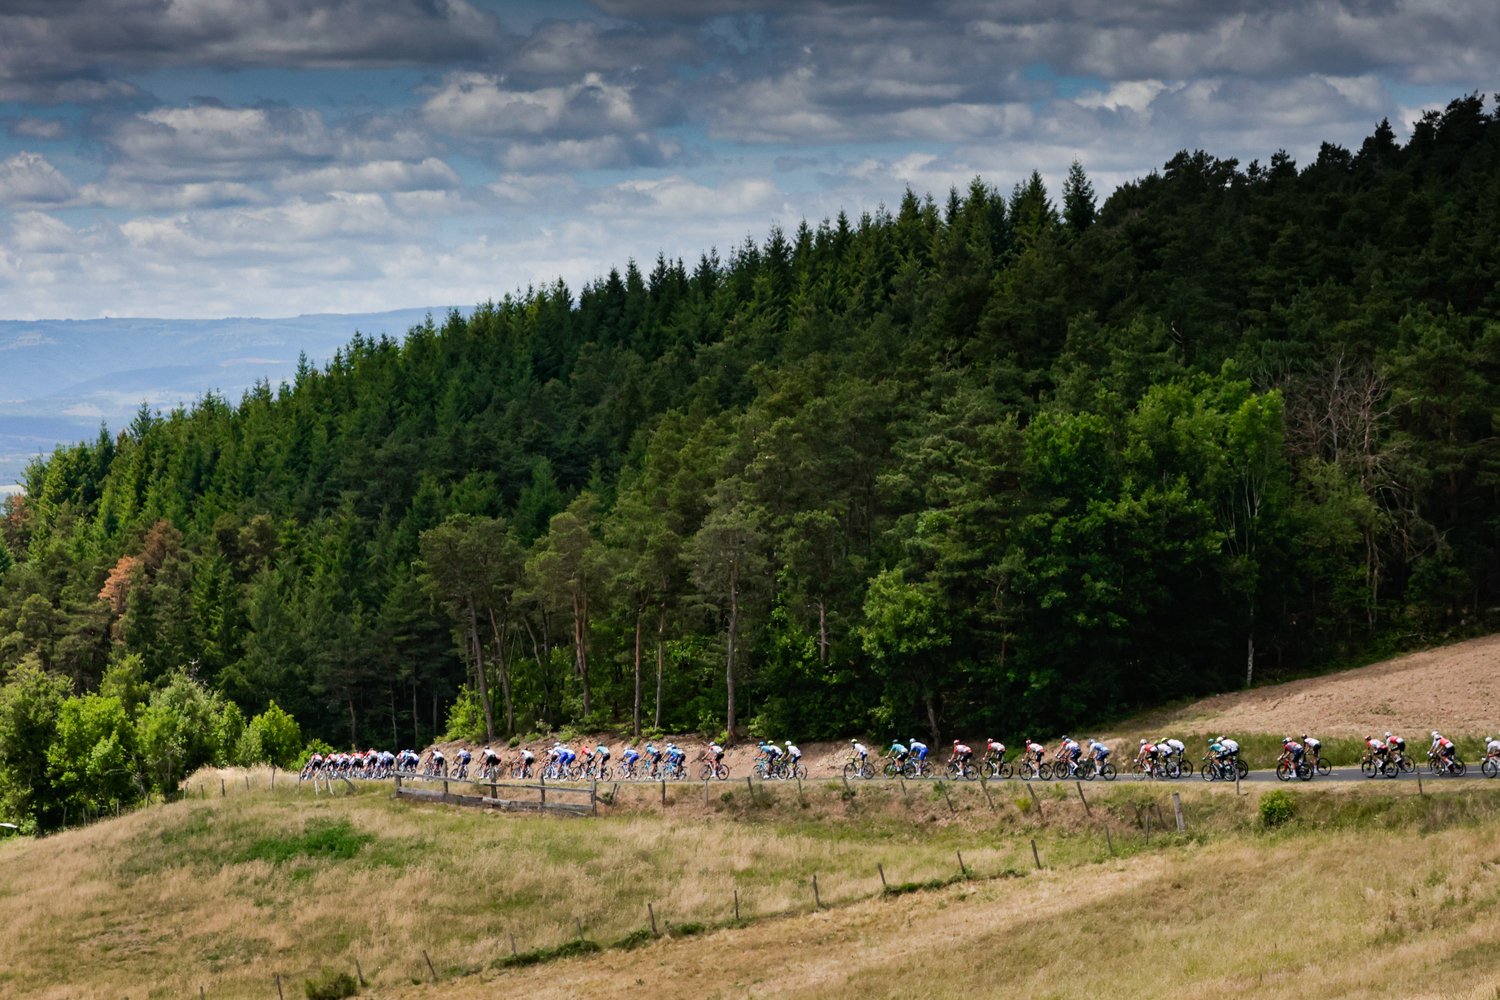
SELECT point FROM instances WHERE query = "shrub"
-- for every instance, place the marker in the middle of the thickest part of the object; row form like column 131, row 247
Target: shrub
column 332, row 986
column 1277, row 808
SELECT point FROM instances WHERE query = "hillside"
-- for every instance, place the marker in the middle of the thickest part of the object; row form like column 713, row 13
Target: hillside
column 226, row 893
column 1452, row 688
column 1004, row 461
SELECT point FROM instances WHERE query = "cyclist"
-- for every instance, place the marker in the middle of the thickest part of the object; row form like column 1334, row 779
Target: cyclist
column 919, row 751
column 962, row 753
column 1033, row 752
column 898, row 751
column 528, row 759
column 1491, row 746
column 1376, row 748
column 1314, row 748
column 566, row 755
column 675, row 757
column 793, row 757
column 439, row 763
column 653, row 752
column 1146, row 756
column 1443, row 748
column 489, row 759
column 1295, row 750
column 994, row 751
column 772, row 754
column 1173, row 747
column 1396, row 746
column 600, row 757
column 629, row 755
column 1070, row 751
column 715, row 752
column 1230, row 748
column 1100, row 752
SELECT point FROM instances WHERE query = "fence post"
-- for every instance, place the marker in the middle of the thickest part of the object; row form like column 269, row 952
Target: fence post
column 358, row 972
column 943, row 787
column 881, row 869
column 579, row 924
column 651, row 912
column 1177, row 808
column 278, row 987
column 1419, row 783
column 541, row 784
column 1034, row 855
column 247, row 781
column 961, row 869
column 513, row 952
column 664, row 791
column 817, row 900
column 984, row 786
column 1108, row 839
column 1030, row 787
column 736, row 905
column 1148, row 827
column 223, row 793
column 429, row 965
column 1086, row 810
column 594, row 797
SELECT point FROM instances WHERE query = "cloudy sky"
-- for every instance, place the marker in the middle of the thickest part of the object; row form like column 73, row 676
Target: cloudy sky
column 204, row 158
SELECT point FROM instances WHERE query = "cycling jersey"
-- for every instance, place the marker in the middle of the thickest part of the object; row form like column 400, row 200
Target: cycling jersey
column 997, row 748
column 920, row 749
column 1231, row 747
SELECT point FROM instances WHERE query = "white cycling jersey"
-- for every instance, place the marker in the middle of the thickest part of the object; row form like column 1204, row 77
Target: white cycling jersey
column 1230, row 746
column 1493, row 746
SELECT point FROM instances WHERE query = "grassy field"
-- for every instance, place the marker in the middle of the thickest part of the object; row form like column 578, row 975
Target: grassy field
column 1381, row 885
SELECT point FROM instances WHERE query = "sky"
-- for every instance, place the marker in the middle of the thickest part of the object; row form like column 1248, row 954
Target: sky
column 211, row 158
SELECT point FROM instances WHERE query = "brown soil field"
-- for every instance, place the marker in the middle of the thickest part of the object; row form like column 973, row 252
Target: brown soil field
column 1454, row 689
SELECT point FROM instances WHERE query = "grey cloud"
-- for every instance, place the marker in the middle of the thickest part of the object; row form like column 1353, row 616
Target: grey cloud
column 38, row 128
column 596, row 153
column 54, row 51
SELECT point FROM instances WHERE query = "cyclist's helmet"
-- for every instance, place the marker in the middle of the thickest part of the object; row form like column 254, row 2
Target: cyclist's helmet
column 1434, row 734
column 1304, row 737
column 1143, row 742
column 788, row 742
column 1387, row 734
column 853, row 741
column 955, row 742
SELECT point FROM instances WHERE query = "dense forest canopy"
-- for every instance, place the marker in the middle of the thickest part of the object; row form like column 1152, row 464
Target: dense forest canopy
column 1000, row 460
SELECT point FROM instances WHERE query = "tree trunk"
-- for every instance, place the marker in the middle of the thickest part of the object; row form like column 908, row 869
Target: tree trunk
column 395, row 738
column 635, row 713
column 483, row 684
column 510, row 712
column 734, row 626
column 822, row 631
column 353, row 723
column 661, row 629
column 416, row 717
column 932, row 719
column 1250, row 656
column 580, row 643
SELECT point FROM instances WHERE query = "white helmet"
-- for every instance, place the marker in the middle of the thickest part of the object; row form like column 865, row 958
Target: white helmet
column 1387, row 733
column 1143, row 742
column 1434, row 734
column 788, row 742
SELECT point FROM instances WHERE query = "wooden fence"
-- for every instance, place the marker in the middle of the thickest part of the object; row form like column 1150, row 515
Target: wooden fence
column 569, row 800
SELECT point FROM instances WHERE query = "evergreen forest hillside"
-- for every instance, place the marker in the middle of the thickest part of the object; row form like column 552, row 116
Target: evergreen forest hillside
column 1002, row 460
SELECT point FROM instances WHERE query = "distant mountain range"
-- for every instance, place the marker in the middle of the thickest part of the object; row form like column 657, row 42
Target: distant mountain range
column 60, row 379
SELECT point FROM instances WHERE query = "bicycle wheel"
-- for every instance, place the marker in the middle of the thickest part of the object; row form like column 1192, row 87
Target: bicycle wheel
column 1304, row 771
column 1208, row 772
column 1026, row 771
column 1242, row 768
column 1283, row 771
column 987, row 770
column 1407, row 764
column 1108, row 772
column 1367, row 767
column 1489, row 767
column 1044, row 771
column 852, row 770
column 1459, row 767
column 1324, row 768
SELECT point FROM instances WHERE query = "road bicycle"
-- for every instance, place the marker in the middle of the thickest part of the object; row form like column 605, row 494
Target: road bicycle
column 1287, row 769
column 1090, row 769
column 996, row 767
column 860, row 767
column 1490, row 766
column 713, row 769
column 1217, row 770
column 962, row 770
column 1438, row 765
column 1028, row 768
column 1371, row 765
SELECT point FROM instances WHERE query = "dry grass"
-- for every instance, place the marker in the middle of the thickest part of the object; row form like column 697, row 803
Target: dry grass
column 175, row 897
column 1311, row 915
column 1452, row 688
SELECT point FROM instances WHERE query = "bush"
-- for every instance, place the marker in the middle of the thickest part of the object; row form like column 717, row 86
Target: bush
column 466, row 718
column 332, row 986
column 1277, row 808
column 272, row 737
